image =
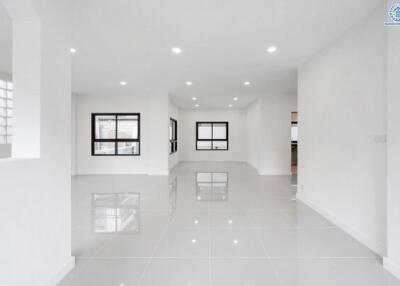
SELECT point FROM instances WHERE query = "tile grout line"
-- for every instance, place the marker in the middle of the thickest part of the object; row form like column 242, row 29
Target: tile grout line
column 152, row 257
column 265, row 251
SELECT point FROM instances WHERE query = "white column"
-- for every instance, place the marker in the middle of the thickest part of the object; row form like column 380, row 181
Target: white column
column 26, row 79
column 158, row 135
column 392, row 261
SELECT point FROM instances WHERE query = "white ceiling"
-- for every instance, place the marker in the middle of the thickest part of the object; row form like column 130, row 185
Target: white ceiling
column 5, row 42
column 224, row 43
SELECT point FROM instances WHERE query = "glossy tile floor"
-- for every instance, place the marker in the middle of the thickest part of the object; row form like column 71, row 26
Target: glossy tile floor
column 214, row 224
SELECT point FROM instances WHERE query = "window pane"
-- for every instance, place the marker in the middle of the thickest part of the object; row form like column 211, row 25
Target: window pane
column 174, row 130
column 2, row 102
column 9, row 94
column 2, row 139
column 2, row 130
column 128, row 148
column 170, row 130
column 294, row 133
column 2, row 93
column 9, row 112
column 9, row 103
column 9, row 85
column 220, row 145
column 104, row 148
column 219, row 131
column 220, row 177
column 9, row 139
column 128, row 127
column 2, row 121
column 2, row 83
column 204, row 145
column 204, row 177
column 2, row 111
column 105, row 127
column 9, row 130
column 204, row 131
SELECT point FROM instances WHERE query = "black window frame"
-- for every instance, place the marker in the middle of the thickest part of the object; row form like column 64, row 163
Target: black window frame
column 173, row 142
column 212, row 140
column 116, row 140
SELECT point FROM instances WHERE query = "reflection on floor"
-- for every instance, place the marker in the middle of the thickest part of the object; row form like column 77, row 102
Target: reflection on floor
column 116, row 212
column 212, row 186
column 209, row 224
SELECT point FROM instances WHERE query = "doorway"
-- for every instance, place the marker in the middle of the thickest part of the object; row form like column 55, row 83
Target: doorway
column 294, row 137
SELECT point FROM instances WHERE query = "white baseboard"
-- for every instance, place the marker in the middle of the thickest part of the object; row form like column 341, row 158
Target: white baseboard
column 363, row 239
column 62, row 272
column 391, row 267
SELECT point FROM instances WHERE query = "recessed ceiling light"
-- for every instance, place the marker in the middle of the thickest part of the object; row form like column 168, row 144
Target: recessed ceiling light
column 189, row 83
column 235, row 241
column 176, row 50
column 72, row 50
column 194, row 98
column 272, row 49
column 235, row 99
column 194, row 240
column 230, row 105
column 123, row 83
column 246, row 83
column 197, row 105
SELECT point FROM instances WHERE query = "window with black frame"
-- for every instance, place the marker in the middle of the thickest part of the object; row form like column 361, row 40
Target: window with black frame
column 115, row 134
column 212, row 136
column 173, row 136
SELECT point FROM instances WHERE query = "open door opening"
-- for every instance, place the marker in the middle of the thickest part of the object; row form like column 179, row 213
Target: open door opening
column 294, row 136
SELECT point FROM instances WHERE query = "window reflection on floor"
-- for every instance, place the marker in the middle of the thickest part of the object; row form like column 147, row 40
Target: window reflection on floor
column 212, row 186
column 116, row 213
column 173, row 194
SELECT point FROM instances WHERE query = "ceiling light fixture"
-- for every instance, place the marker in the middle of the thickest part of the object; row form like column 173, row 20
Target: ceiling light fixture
column 235, row 99
column 176, row 50
column 189, row 83
column 72, row 50
column 230, row 105
column 246, row 83
column 272, row 49
column 194, row 98
column 123, row 83
column 197, row 105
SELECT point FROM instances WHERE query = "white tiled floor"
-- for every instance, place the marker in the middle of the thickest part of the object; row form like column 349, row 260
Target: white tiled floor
column 147, row 231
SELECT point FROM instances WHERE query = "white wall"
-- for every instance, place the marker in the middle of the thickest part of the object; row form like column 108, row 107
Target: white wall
column 35, row 235
column 268, row 133
column 173, row 159
column 74, row 102
column 187, row 135
column 392, row 261
column 253, row 134
column 275, row 155
column 154, row 122
column 342, row 164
